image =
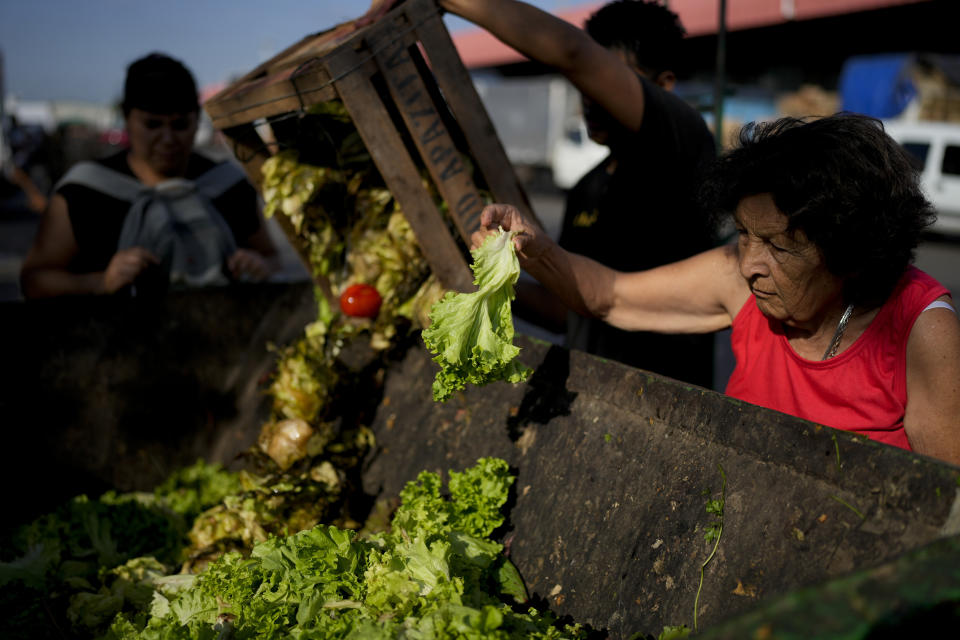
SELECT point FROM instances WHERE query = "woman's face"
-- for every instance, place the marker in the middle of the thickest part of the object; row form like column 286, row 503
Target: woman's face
column 163, row 141
column 785, row 271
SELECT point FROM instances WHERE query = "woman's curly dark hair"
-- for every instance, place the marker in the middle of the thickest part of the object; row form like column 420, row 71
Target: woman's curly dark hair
column 648, row 30
column 849, row 187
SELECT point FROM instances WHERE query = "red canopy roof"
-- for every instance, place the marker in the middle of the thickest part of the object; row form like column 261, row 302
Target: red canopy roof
column 479, row 49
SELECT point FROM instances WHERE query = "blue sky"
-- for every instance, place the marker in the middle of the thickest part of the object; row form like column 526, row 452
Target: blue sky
column 79, row 49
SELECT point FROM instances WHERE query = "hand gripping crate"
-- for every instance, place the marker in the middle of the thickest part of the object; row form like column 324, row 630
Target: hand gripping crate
column 401, row 80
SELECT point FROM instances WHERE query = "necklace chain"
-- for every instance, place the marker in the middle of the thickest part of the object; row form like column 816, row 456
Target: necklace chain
column 841, row 327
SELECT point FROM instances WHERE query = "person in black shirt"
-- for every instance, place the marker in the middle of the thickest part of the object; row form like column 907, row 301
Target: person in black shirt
column 637, row 208
column 153, row 215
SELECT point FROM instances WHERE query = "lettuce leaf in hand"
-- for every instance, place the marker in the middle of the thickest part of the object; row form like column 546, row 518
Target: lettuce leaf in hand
column 471, row 334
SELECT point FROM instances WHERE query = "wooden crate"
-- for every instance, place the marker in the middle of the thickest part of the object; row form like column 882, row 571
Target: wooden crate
column 414, row 105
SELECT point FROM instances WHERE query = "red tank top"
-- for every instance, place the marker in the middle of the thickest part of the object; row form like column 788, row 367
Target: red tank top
column 863, row 389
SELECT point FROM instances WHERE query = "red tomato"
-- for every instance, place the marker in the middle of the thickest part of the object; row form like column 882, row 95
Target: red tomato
column 360, row 301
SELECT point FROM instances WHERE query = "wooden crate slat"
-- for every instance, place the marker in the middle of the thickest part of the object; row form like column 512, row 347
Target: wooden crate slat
column 316, row 46
column 249, row 150
column 451, row 175
column 311, row 46
column 283, row 94
column 258, row 88
column 273, row 108
column 397, row 168
column 460, row 92
column 289, row 81
column 267, row 68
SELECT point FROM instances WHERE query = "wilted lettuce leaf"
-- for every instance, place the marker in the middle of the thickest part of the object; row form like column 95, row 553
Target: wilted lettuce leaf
column 471, row 334
column 476, row 496
column 33, row 566
column 191, row 490
column 91, row 558
column 130, row 586
column 435, row 575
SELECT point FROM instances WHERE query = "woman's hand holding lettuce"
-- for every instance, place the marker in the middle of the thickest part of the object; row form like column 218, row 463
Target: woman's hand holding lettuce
column 471, row 334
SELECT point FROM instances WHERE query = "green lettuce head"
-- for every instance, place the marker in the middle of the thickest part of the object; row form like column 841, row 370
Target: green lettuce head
column 471, row 334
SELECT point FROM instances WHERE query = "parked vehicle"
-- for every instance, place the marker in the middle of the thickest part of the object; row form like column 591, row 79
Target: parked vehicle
column 936, row 148
column 574, row 153
column 539, row 123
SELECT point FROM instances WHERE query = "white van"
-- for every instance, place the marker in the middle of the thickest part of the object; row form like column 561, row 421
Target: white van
column 936, row 147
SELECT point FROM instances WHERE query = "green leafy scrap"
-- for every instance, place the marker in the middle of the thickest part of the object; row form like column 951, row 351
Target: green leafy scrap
column 90, row 559
column 713, row 532
column 191, row 490
column 713, row 529
column 87, row 561
column 678, row 632
column 471, row 334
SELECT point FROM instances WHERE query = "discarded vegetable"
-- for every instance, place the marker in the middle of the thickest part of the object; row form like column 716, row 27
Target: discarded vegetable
column 471, row 334
column 360, row 301
column 435, row 575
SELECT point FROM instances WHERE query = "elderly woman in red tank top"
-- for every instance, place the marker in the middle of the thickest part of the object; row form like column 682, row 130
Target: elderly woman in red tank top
column 830, row 321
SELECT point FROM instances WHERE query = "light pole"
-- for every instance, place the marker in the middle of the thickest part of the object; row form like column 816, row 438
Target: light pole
column 720, row 80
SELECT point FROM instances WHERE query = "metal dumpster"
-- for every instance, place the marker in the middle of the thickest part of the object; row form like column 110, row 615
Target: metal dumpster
column 101, row 393
column 614, row 465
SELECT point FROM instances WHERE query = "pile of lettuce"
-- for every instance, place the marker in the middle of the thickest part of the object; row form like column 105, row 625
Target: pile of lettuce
column 271, row 501
column 351, row 230
column 77, row 567
column 471, row 334
column 74, row 569
column 435, row 574
column 111, row 568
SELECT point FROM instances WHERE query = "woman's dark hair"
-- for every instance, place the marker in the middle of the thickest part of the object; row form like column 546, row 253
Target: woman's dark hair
column 159, row 84
column 648, row 30
column 849, row 187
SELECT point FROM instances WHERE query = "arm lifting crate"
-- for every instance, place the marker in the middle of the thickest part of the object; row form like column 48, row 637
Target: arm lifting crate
column 412, row 101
